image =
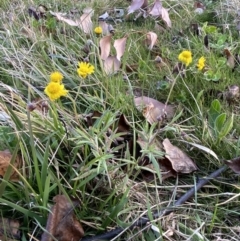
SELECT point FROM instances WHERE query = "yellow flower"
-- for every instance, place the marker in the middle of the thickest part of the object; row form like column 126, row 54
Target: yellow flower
column 201, row 63
column 56, row 77
column 185, row 57
column 55, row 90
column 85, row 69
column 98, row 30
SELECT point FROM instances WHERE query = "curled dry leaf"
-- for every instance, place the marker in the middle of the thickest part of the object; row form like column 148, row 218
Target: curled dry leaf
column 123, row 124
column 136, row 5
column 153, row 110
column 234, row 164
column 105, row 46
column 119, row 45
column 62, row 223
column 181, row 163
column 111, row 64
column 232, row 94
column 165, row 17
column 5, row 159
column 159, row 11
column 9, row 229
column 156, row 10
column 151, row 39
column 60, row 17
column 38, row 104
column 105, row 27
column 149, row 170
column 230, row 58
column 85, row 22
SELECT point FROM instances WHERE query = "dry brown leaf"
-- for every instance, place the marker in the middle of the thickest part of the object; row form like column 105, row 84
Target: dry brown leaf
column 40, row 105
column 60, row 17
column 181, row 163
column 85, row 22
column 159, row 11
column 111, row 64
column 151, row 39
column 104, row 26
column 165, row 17
column 105, row 46
column 9, row 229
column 164, row 164
column 119, row 45
column 230, row 58
column 123, row 124
column 5, row 159
column 179, row 68
column 234, row 165
column 136, row 5
column 232, row 94
column 62, row 223
column 153, row 110
column 156, row 10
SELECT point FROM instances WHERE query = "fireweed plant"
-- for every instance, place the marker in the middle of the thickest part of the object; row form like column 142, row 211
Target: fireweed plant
column 78, row 133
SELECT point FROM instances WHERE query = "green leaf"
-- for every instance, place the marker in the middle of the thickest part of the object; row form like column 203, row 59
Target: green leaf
column 219, row 122
column 227, row 127
column 214, row 112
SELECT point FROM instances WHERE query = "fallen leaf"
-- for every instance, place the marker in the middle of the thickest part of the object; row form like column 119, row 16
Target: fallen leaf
column 234, row 164
column 156, row 10
column 40, row 105
column 62, row 223
column 91, row 117
column 232, row 94
column 105, row 27
column 149, row 170
column 206, row 42
column 136, row 5
column 181, row 163
column 103, row 17
column 165, row 17
column 9, row 229
column 179, row 68
column 34, row 13
column 60, row 17
column 105, row 46
column 159, row 11
column 151, row 39
column 230, row 58
column 111, row 65
column 5, row 159
column 85, row 22
column 119, row 45
column 153, row 110
column 123, row 124
column 111, row 29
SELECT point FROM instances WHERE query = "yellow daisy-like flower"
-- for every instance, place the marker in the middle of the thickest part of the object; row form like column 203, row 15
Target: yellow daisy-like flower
column 55, row 90
column 85, row 69
column 185, row 57
column 98, row 30
column 56, row 77
column 201, row 63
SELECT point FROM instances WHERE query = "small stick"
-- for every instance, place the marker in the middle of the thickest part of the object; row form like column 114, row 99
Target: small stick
column 144, row 220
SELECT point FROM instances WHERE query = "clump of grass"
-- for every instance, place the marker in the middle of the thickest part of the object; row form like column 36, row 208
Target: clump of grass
column 63, row 153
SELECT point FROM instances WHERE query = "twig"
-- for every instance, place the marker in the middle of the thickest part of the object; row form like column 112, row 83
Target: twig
column 144, row 220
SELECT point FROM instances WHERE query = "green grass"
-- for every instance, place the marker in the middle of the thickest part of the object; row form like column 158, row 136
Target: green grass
column 63, row 154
